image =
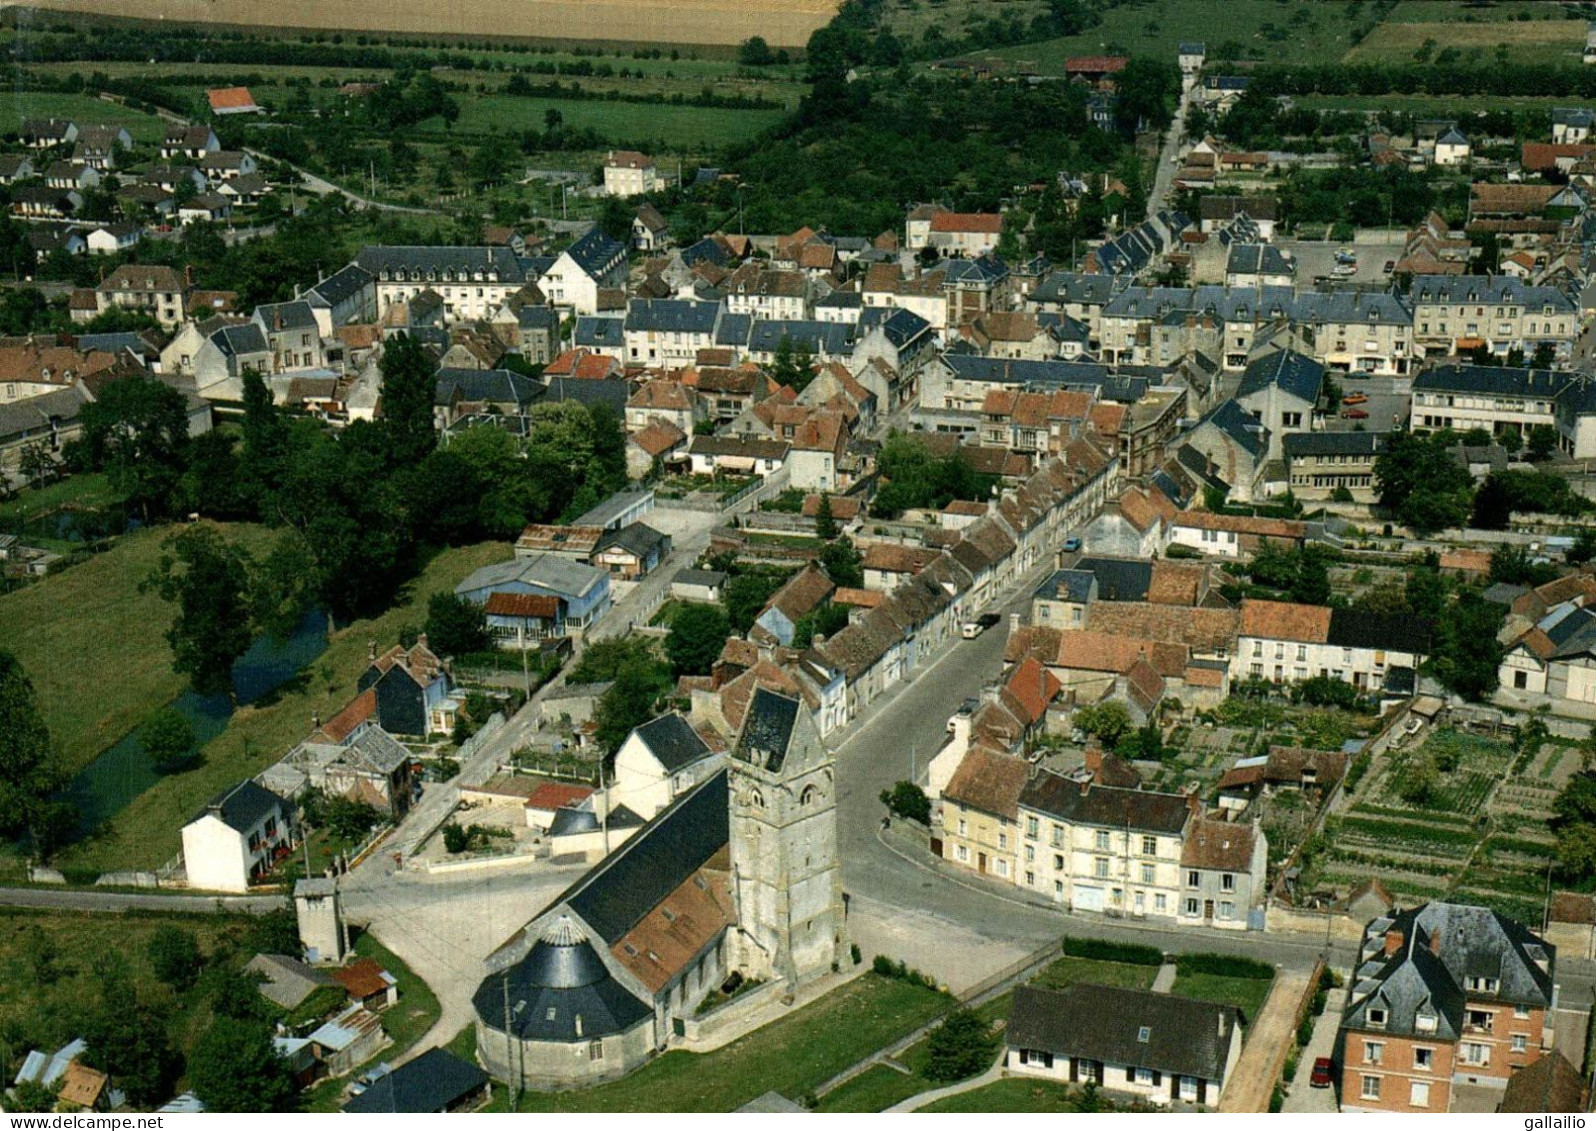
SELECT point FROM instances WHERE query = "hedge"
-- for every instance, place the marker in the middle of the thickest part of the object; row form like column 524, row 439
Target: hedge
column 1105, row 950
column 1224, row 966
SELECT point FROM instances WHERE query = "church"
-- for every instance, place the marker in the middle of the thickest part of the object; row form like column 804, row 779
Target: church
column 738, row 875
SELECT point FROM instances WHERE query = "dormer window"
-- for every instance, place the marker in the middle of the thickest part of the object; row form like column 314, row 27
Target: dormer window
column 1377, row 1018
column 1144, row 1035
column 1425, row 1022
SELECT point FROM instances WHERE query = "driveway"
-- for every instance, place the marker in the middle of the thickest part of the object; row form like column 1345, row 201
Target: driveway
column 1301, row 1095
column 1268, row 1043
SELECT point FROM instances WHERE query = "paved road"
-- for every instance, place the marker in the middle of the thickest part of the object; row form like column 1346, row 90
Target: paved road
column 1168, row 157
column 76, row 899
column 1268, row 1043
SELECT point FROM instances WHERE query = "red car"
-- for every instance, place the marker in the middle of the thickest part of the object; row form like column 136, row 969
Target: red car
column 1323, row 1072
column 1355, row 414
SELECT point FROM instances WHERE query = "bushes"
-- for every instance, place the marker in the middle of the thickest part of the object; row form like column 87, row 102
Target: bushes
column 908, row 801
column 1224, row 966
column 899, row 971
column 1104, row 950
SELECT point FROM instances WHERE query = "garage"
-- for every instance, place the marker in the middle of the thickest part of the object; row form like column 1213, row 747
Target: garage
column 1088, row 899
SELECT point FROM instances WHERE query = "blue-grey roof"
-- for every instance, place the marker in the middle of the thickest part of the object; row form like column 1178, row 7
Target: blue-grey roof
column 842, row 300
column 824, row 339
column 636, row 538
column 767, row 730
column 1258, row 259
column 534, row 317
column 1496, row 380
column 1072, row 287
column 1486, row 289
column 671, row 316
column 552, row 573
column 113, row 342
column 1073, row 585
column 536, row 266
column 497, row 386
column 674, row 743
column 705, row 250
column 341, row 285
column 984, row 270
column 1238, row 424
column 595, row 253
column 612, row 391
column 242, row 807
column 1007, row 371
column 278, row 316
column 1299, row 444
column 599, row 331
column 1191, row 47
column 234, row 341
column 1573, row 116
column 433, row 264
column 1119, row 579
column 432, row 1082
column 612, row 508
column 1226, row 82
column 561, row 991
column 1293, row 373
column 734, row 330
column 1161, row 1032
column 902, row 327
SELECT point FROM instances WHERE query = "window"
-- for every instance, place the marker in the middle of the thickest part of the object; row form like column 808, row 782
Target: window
column 1485, row 985
column 1149, row 846
column 1476, row 1053
column 1003, row 868
column 1227, row 881
column 1480, row 1019
column 1144, row 1034
column 1371, row 1088
column 1420, row 1094
column 964, row 827
column 1058, row 835
column 1030, row 879
column 1424, row 1022
column 1100, row 868
column 1058, row 863
column 1423, row 1059
column 1003, row 840
column 1373, row 1052
column 1144, row 1076
column 1102, row 841
column 1147, row 873
column 595, row 1050
column 1031, row 827
column 1520, row 1042
column 961, row 854
column 1227, row 909
column 1377, row 1019
column 1191, row 907
column 1030, row 854
column 1058, row 889
column 1521, row 1012
column 1193, row 879
column 1160, row 902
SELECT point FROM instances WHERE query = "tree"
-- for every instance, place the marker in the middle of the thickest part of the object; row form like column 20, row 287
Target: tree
column 208, row 579
column 168, row 740
column 37, row 465
column 1421, row 481
column 348, row 820
column 964, row 1045
column 826, row 619
column 1466, row 653
column 629, row 703
column 746, row 594
column 697, row 635
column 843, row 563
column 755, row 52
column 235, row 1067
column 825, row 522
column 136, row 431
column 32, row 1096
column 1584, row 547
column 29, row 770
column 1109, row 721
column 907, row 800
column 175, row 957
column 457, row 626
column 1542, row 441
column 1419, row 781
column 127, row 1040
column 1574, row 824
column 407, row 394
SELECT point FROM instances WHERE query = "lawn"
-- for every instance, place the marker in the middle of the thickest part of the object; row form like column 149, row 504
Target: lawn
column 145, row 834
column 1014, row 1094
column 793, row 1056
column 1546, row 42
column 84, row 109
column 1246, row 994
column 673, row 128
column 1246, row 29
column 88, row 490
column 875, row 1089
column 95, row 647
column 1123, row 975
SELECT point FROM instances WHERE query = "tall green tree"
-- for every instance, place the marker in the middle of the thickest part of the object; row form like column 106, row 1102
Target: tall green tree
column 1466, row 653
column 235, row 1067
column 127, row 1040
column 697, row 635
column 136, row 431
column 408, row 385
column 208, row 579
column 825, row 522
column 456, row 626
column 29, row 769
column 168, row 739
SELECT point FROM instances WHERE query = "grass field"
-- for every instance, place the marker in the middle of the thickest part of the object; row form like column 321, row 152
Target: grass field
column 1549, row 42
column 1451, row 11
column 1257, row 29
column 1246, row 994
column 84, row 109
column 145, row 834
column 1011, row 1095
column 95, row 647
column 1428, row 105
column 781, row 22
column 791, row 1056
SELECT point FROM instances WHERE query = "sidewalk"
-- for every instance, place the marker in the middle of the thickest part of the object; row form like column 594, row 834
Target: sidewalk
column 1269, row 1042
column 915, row 1103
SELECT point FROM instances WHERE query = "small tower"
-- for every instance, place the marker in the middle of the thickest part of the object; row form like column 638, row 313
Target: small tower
column 783, row 841
column 321, row 919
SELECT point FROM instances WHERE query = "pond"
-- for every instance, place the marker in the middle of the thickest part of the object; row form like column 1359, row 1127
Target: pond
column 123, row 771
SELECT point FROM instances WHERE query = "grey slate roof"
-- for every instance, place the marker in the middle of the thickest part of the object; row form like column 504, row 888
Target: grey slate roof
column 1486, row 290
column 1258, row 259
column 498, row 386
column 734, row 330
column 1118, row 579
column 767, row 730
column 1073, row 585
column 561, row 980
column 432, row 1082
column 1401, row 632
column 1235, row 422
column 611, row 391
column 547, row 571
column 277, row 316
column 633, row 880
column 671, row 316
column 1185, row 1037
column 341, row 285
column 1299, row 444
column 1104, row 806
column 1070, row 287
column 705, row 250
column 1005, row 371
column 637, row 538
column 826, row 339
column 597, row 331
column 242, row 807
column 1294, row 373
column 1494, row 380
column 235, row 341
column 709, row 578
column 595, row 253
column 437, row 263
column 673, row 742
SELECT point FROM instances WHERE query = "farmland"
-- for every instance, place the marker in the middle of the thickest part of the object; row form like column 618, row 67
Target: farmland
column 84, row 109
column 1550, row 42
column 781, row 22
column 1478, row 834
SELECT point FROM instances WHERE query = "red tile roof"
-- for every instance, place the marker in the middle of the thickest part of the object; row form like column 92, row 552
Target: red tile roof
column 553, row 795
column 1282, row 620
column 231, row 98
column 532, row 605
column 975, row 222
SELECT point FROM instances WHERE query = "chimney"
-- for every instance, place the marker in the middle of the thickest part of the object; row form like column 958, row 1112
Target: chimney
column 1014, row 623
column 1194, row 803
column 1221, row 1024
column 315, row 720
column 818, row 640
column 421, row 639
column 1086, row 787
column 1393, row 942
column 371, row 650
column 1094, row 758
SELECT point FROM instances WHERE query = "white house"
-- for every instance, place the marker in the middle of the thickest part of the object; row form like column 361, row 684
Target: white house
column 1288, row 643
column 236, row 838
column 108, row 239
column 630, row 173
column 658, row 762
column 591, row 264
column 1452, row 148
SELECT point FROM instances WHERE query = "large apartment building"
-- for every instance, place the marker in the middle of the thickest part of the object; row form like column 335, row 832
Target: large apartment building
column 1443, row 995
column 1452, row 313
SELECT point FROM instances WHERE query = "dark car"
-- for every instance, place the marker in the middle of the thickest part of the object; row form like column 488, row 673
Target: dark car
column 987, row 620
column 1323, row 1072
column 1354, row 414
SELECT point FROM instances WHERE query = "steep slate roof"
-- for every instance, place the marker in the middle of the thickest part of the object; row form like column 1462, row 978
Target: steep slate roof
column 676, row 316
column 429, row 1083
column 1104, row 806
column 1236, row 423
column 595, row 251
column 498, row 263
column 1294, row 373
column 767, row 730
column 561, row 979
column 1185, row 1037
column 673, row 742
column 240, row 807
column 1301, row 444
column 1400, row 632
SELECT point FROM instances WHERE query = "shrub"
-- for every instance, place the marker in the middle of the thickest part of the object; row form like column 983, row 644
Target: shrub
column 1305, row 1032
column 961, row 1047
column 1224, row 966
column 899, row 971
column 1105, row 950
column 908, row 801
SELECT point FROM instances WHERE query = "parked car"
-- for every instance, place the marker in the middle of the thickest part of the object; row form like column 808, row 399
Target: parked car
column 1354, row 414
column 1323, row 1074
column 1354, row 398
column 1390, row 266
column 974, row 628
column 1071, row 545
